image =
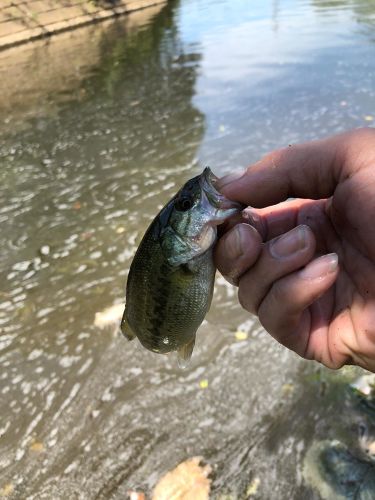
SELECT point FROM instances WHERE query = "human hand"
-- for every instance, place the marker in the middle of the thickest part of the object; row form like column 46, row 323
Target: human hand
column 306, row 266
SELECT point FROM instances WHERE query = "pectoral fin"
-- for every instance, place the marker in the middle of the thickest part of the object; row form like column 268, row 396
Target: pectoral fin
column 126, row 328
column 184, row 353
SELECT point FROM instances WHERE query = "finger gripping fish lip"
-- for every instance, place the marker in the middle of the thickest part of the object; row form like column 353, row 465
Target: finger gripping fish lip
column 208, row 181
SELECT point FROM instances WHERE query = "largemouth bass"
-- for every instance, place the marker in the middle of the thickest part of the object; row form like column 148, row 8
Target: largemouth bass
column 171, row 278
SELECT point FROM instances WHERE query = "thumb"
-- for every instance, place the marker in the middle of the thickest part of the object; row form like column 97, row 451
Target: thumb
column 311, row 170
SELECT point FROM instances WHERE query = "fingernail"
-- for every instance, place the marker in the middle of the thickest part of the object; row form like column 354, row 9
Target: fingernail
column 321, row 267
column 251, row 216
column 228, row 179
column 234, row 242
column 289, row 243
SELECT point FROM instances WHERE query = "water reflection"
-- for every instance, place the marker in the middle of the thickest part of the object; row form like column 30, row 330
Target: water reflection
column 78, row 184
column 84, row 169
column 35, row 79
column 363, row 11
column 309, row 78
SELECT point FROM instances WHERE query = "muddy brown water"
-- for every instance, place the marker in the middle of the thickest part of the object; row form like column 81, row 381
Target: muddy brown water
column 87, row 158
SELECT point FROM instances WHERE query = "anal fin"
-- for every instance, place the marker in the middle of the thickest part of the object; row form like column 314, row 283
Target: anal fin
column 126, row 328
column 184, row 353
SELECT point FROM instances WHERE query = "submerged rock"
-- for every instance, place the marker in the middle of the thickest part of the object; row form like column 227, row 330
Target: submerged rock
column 363, row 390
column 336, row 473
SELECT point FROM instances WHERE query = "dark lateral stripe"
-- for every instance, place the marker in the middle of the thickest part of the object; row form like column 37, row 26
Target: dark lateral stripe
column 162, row 290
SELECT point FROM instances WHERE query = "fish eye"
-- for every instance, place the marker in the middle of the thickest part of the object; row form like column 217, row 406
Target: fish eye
column 184, row 204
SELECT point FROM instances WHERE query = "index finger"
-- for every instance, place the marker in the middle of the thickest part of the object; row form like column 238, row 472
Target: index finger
column 311, row 170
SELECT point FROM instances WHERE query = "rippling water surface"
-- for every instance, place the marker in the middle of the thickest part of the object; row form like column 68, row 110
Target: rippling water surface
column 98, row 130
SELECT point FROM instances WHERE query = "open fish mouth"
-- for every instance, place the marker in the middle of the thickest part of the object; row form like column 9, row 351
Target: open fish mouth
column 214, row 199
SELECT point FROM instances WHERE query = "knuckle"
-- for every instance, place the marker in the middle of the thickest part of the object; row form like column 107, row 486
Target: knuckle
column 278, row 154
column 282, row 300
column 363, row 133
column 251, row 293
column 245, row 301
column 232, row 278
column 357, row 141
column 242, row 298
column 220, row 259
column 278, row 294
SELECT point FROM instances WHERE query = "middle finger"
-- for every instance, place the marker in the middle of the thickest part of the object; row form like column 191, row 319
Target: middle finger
column 279, row 257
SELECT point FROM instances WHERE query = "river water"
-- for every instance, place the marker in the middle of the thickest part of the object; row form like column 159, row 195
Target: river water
column 98, row 129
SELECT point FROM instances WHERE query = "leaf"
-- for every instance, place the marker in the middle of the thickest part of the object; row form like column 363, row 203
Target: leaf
column 7, row 490
column 86, row 235
column 252, row 489
column 241, row 335
column 203, row 384
column 136, row 495
column 371, row 448
column 188, row 481
column 109, row 317
column 287, row 389
column 37, row 446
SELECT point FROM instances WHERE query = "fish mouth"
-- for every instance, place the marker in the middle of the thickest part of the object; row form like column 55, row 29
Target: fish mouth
column 214, row 199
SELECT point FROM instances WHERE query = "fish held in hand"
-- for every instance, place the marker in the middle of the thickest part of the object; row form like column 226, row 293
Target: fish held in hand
column 171, row 278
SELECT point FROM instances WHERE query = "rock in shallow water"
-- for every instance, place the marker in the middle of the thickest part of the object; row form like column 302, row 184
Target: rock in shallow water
column 336, row 473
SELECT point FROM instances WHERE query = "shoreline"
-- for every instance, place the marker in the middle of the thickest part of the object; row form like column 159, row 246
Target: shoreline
column 31, row 73
column 23, row 21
